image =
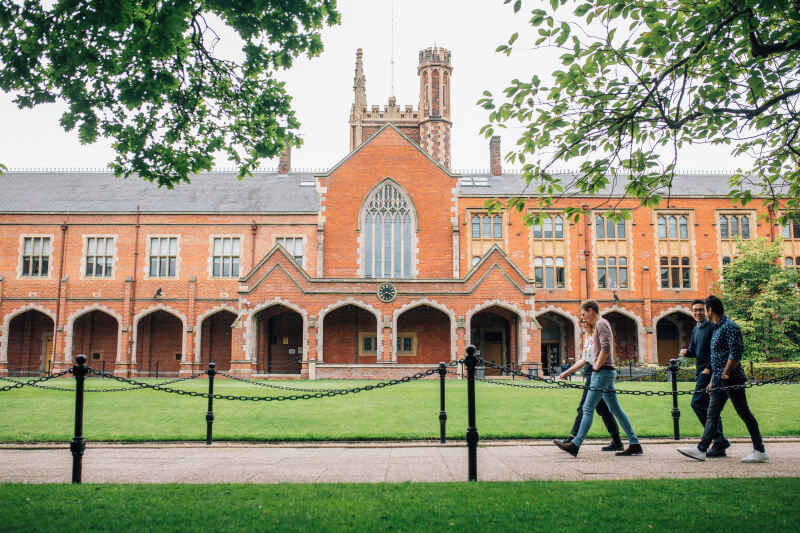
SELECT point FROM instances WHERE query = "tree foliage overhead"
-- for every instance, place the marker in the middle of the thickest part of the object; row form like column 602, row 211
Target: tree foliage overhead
column 145, row 74
column 763, row 299
column 643, row 79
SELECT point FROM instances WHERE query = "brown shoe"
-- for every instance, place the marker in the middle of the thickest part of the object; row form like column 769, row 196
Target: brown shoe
column 568, row 447
column 633, row 449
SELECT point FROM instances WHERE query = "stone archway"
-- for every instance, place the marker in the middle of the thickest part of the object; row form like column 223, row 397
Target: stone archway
column 159, row 344
column 350, row 335
column 626, row 336
column 279, row 340
column 215, row 339
column 673, row 332
column 95, row 334
column 29, row 343
column 558, row 341
column 422, row 335
column 495, row 332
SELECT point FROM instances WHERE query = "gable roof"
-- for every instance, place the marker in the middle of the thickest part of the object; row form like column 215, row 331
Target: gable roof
column 375, row 136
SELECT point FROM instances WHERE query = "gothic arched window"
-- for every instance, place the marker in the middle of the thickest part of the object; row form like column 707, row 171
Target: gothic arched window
column 388, row 216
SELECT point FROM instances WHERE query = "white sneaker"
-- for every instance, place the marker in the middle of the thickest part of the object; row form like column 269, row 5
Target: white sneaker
column 756, row 457
column 694, row 452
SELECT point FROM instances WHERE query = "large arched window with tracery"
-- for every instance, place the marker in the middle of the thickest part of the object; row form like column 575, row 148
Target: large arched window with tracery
column 388, row 216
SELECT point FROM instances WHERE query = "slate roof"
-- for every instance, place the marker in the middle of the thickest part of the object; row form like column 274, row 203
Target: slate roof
column 223, row 192
column 213, row 192
column 700, row 184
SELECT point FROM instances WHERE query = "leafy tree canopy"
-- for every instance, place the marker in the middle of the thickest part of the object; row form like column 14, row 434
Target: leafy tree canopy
column 643, row 79
column 145, row 74
column 763, row 299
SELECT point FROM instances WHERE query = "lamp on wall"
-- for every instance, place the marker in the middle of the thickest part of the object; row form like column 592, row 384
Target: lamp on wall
column 616, row 298
column 158, row 293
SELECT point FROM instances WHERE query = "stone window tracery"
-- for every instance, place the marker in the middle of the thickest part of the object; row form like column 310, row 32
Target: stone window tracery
column 387, row 234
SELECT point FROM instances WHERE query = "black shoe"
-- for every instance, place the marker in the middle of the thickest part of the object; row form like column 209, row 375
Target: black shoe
column 567, row 440
column 718, row 449
column 633, row 449
column 568, row 447
column 615, row 446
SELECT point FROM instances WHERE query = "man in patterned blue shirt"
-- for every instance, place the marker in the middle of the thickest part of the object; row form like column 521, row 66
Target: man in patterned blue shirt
column 727, row 347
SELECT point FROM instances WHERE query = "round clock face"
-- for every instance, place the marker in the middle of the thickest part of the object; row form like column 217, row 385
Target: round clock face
column 386, row 292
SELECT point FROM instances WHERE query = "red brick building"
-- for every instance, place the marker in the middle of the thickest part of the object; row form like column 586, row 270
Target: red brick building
column 384, row 264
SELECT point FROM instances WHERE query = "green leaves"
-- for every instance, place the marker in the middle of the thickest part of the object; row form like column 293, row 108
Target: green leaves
column 145, row 75
column 642, row 80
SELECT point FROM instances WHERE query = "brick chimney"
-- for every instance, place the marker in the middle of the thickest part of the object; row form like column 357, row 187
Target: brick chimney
column 285, row 165
column 495, row 163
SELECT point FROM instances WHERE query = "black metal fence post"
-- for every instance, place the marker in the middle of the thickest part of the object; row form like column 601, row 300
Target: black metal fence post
column 442, row 413
column 78, row 444
column 472, row 431
column 676, row 413
column 752, row 376
column 210, row 414
column 104, row 369
column 156, row 369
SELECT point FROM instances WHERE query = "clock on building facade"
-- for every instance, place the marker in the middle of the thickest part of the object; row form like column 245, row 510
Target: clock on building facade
column 387, row 292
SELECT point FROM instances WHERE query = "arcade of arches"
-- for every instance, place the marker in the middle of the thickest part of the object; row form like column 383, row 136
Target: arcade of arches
column 94, row 334
column 159, row 344
column 30, row 343
column 215, row 340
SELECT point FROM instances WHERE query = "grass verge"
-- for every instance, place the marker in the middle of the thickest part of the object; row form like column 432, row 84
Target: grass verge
column 406, row 411
column 730, row 505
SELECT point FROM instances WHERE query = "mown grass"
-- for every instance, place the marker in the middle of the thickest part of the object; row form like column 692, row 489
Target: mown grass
column 696, row 505
column 406, row 411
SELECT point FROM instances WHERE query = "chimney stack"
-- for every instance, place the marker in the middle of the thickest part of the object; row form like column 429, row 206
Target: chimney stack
column 495, row 163
column 285, row 165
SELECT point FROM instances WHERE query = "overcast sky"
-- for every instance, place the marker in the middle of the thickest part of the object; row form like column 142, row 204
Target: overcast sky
column 322, row 87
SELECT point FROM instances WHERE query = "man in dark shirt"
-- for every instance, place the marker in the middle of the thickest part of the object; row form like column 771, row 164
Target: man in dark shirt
column 727, row 347
column 700, row 350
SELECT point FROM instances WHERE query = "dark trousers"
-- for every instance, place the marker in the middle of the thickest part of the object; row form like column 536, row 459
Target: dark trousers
column 602, row 410
column 700, row 401
column 739, row 400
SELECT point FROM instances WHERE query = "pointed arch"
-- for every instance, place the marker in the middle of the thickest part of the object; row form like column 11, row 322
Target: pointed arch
column 656, row 319
column 251, row 329
column 70, row 329
column 523, row 336
column 337, row 305
column 198, row 328
column 387, row 227
column 14, row 314
column 430, row 303
column 576, row 323
column 640, row 348
column 158, row 307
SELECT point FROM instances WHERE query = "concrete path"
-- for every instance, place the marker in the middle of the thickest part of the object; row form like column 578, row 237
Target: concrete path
column 375, row 462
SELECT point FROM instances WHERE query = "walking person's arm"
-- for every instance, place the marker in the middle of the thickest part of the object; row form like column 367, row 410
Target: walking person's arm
column 604, row 337
column 735, row 351
column 580, row 363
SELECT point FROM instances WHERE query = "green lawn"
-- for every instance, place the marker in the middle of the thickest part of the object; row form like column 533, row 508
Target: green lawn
column 696, row 505
column 405, row 411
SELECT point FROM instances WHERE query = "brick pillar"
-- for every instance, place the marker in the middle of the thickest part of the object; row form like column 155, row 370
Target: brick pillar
column 387, row 355
column 3, row 359
column 191, row 361
column 59, row 346
column 495, row 162
column 461, row 339
column 240, row 361
column 122, row 365
column 647, row 352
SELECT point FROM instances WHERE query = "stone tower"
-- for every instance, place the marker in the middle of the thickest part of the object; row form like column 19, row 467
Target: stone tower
column 434, row 72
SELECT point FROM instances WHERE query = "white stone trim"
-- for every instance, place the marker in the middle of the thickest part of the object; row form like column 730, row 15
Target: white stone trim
column 640, row 344
column 432, row 303
column 69, row 333
column 523, row 331
column 250, row 330
column 341, row 303
column 198, row 328
column 7, row 324
column 151, row 309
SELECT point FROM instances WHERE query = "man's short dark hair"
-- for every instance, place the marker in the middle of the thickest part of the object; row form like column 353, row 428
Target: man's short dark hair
column 588, row 305
column 698, row 301
column 715, row 304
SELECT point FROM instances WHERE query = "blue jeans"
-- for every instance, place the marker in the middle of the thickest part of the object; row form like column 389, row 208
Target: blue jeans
column 604, row 379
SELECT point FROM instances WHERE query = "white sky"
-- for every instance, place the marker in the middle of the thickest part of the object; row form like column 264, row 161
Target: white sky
column 322, row 87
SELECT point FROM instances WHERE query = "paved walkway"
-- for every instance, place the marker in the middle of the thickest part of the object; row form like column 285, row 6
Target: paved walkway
column 374, row 462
